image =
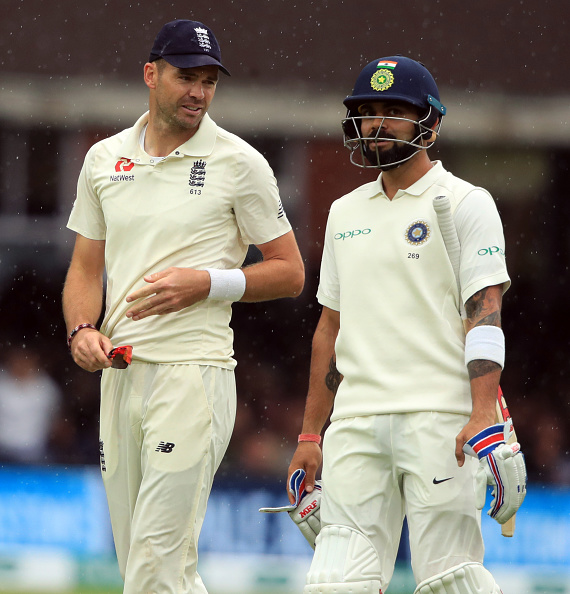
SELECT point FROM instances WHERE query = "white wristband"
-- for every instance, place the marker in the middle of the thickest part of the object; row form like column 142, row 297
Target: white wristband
column 487, row 343
column 226, row 285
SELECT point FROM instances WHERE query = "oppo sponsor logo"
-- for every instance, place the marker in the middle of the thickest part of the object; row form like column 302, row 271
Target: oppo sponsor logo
column 489, row 251
column 351, row 234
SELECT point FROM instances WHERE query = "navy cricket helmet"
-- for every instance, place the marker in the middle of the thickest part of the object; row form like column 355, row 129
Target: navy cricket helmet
column 395, row 78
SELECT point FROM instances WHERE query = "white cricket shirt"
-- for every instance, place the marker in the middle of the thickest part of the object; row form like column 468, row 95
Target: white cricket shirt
column 200, row 207
column 401, row 342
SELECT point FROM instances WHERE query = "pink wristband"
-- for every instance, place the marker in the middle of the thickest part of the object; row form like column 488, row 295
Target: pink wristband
column 309, row 437
column 76, row 330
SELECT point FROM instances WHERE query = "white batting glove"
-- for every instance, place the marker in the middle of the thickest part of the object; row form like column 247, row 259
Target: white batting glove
column 500, row 465
column 305, row 512
column 307, row 515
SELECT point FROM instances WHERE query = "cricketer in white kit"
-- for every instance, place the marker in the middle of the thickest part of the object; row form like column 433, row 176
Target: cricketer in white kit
column 390, row 358
column 168, row 209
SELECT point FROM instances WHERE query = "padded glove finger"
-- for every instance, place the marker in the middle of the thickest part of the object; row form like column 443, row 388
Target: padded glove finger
column 509, row 490
column 307, row 514
column 502, row 466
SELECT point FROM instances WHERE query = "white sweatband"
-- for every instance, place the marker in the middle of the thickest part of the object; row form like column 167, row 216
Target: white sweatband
column 226, row 285
column 487, row 343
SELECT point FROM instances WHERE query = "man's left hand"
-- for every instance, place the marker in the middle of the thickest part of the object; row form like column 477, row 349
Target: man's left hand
column 169, row 291
column 502, row 466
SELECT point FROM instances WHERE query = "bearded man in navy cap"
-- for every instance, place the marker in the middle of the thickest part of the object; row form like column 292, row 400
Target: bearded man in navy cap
column 407, row 357
column 167, row 209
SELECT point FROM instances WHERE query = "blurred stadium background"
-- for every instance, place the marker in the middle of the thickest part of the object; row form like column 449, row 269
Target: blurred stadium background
column 71, row 74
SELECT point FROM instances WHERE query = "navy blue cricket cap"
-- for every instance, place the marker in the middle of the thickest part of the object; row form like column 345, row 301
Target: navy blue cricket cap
column 187, row 44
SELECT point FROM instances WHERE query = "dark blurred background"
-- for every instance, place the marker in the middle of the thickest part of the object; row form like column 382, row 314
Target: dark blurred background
column 72, row 73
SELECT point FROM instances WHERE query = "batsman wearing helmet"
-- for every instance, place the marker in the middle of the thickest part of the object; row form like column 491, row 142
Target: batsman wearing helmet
column 411, row 382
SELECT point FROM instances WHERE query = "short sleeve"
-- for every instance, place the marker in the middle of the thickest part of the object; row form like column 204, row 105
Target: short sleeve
column 86, row 216
column 259, row 212
column 480, row 232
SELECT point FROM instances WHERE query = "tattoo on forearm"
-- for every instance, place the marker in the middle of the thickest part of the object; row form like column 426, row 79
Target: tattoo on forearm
column 474, row 304
column 480, row 367
column 493, row 319
column 333, row 377
column 483, row 309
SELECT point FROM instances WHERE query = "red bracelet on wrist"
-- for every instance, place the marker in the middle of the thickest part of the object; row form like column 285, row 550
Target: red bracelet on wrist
column 76, row 330
column 309, row 437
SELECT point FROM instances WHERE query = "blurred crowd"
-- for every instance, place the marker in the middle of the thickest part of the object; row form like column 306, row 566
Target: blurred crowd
column 49, row 407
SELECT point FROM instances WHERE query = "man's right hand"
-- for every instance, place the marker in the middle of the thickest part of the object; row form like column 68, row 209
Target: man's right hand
column 89, row 350
column 308, row 456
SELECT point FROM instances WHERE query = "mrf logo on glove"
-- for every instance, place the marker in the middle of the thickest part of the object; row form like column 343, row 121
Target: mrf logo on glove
column 312, row 506
column 502, row 466
column 305, row 512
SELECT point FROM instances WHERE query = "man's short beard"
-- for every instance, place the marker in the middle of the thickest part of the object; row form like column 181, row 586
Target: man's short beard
column 390, row 158
column 170, row 117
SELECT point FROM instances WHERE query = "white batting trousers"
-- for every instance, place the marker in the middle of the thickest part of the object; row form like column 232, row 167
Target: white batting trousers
column 376, row 469
column 164, row 431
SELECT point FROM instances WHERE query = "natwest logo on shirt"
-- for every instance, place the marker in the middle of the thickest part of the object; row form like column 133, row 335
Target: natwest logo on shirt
column 121, row 166
column 124, row 164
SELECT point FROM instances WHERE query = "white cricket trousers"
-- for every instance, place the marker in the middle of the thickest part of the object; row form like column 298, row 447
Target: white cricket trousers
column 164, row 430
column 376, row 469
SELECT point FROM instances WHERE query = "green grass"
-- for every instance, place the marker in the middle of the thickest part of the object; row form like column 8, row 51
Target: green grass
column 112, row 590
column 90, row 590
column 85, row 590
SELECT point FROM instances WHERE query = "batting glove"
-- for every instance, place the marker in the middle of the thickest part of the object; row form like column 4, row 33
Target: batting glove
column 502, row 466
column 305, row 512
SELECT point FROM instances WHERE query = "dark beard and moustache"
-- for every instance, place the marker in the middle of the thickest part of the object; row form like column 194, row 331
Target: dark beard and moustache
column 390, row 158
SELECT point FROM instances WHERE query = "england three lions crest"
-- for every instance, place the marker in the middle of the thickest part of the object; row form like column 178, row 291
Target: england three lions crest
column 197, row 174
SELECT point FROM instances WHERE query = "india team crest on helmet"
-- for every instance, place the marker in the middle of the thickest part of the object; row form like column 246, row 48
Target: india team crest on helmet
column 417, row 232
column 382, row 79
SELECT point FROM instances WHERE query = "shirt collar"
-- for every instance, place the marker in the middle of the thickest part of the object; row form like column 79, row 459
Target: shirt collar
column 417, row 188
column 200, row 145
